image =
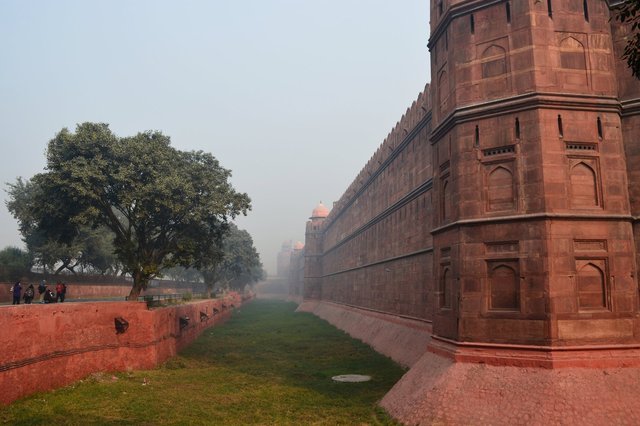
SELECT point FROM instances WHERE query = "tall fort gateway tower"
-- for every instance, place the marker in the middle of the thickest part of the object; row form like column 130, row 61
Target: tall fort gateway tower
column 493, row 238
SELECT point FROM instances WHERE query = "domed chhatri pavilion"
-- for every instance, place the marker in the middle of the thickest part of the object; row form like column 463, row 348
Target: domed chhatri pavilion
column 320, row 212
column 492, row 242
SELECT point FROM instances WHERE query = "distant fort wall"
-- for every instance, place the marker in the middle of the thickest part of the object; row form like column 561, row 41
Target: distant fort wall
column 91, row 290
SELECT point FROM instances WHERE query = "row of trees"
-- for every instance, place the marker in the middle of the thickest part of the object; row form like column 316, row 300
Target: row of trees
column 136, row 206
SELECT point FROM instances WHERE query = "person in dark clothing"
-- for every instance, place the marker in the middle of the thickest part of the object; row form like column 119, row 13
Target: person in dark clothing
column 29, row 294
column 64, row 292
column 17, row 292
column 41, row 289
column 49, row 297
column 59, row 296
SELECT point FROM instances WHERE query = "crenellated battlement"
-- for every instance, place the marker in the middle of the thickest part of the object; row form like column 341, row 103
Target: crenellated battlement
column 418, row 111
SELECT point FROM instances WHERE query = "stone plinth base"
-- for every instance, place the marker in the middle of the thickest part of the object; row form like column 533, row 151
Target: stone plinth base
column 439, row 390
column 590, row 356
column 402, row 339
column 453, row 383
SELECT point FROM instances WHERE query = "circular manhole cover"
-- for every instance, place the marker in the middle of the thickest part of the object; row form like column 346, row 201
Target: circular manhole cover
column 351, row 378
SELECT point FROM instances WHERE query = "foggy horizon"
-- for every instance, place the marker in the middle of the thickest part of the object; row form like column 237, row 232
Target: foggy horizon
column 293, row 99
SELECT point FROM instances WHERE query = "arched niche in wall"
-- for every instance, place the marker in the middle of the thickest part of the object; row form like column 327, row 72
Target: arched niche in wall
column 584, row 186
column 500, row 189
column 591, row 285
column 573, row 62
column 493, row 73
column 504, row 287
column 493, row 61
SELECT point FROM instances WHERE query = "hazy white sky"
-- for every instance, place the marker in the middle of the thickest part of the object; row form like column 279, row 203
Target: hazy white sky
column 293, row 96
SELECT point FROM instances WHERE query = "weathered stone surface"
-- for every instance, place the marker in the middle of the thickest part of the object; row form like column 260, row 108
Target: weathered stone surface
column 402, row 339
column 439, row 391
column 503, row 207
column 73, row 340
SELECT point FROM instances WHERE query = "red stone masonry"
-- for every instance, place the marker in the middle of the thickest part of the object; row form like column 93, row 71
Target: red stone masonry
column 504, row 207
column 388, row 202
column 502, row 216
column 74, row 340
column 296, row 274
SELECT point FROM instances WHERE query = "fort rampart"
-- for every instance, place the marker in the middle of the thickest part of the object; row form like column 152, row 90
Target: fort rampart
column 502, row 211
column 503, row 207
column 53, row 345
column 376, row 246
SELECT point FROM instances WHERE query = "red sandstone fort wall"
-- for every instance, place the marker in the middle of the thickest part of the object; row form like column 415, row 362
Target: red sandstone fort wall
column 560, row 156
column 504, row 205
column 296, row 275
column 525, row 162
column 49, row 346
column 376, row 246
column 629, row 93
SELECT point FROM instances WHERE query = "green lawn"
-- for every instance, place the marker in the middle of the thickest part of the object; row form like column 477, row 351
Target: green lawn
column 267, row 365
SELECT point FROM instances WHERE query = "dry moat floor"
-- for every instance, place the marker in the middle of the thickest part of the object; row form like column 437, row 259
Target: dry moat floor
column 267, row 365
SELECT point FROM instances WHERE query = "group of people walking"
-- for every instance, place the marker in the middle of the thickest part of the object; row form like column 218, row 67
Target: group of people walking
column 46, row 294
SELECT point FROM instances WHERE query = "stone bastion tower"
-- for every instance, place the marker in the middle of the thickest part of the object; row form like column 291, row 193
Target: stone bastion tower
column 534, row 229
column 313, row 253
column 496, row 231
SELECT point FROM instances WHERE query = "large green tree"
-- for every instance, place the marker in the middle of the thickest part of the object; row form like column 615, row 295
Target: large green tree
column 628, row 12
column 97, row 251
column 181, row 274
column 14, row 263
column 68, row 248
column 161, row 204
column 234, row 264
column 48, row 253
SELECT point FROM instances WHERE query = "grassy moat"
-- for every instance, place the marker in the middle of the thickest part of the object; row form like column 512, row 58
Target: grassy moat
column 267, row 365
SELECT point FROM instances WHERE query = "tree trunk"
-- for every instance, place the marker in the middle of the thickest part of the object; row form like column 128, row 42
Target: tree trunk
column 209, row 282
column 134, row 293
column 140, row 282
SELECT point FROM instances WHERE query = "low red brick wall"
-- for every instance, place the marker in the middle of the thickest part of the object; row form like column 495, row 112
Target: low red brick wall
column 87, row 291
column 49, row 346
